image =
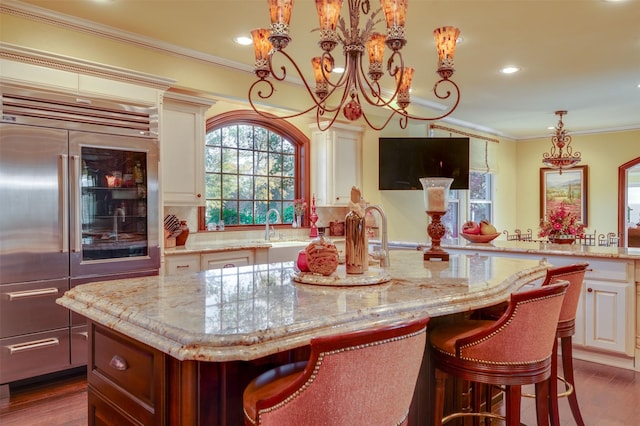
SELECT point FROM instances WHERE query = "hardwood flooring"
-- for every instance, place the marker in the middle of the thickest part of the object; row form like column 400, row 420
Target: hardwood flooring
column 608, row 396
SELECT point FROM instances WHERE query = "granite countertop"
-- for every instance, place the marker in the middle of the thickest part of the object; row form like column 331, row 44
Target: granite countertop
column 248, row 312
column 527, row 247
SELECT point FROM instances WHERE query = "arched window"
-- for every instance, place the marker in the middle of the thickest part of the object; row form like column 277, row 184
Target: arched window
column 252, row 164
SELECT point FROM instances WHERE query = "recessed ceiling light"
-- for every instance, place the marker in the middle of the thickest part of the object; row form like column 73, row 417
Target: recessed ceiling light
column 509, row 70
column 243, row 40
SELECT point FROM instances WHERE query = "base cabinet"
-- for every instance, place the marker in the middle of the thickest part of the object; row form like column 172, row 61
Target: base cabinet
column 126, row 380
column 189, row 263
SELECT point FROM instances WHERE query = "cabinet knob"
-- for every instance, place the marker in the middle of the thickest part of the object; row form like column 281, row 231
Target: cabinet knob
column 590, row 290
column 118, row 363
column 199, row 195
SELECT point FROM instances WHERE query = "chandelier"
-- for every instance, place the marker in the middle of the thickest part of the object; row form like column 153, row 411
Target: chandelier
column 561, row 155
column 354, row 87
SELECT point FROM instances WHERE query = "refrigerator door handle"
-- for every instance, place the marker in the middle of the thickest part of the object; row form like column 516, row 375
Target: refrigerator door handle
column 63, row 208
column 36, row 344
column 19, row 295
column 74, row 172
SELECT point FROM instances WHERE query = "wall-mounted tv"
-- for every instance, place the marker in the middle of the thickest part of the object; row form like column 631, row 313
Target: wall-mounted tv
column 403, row 161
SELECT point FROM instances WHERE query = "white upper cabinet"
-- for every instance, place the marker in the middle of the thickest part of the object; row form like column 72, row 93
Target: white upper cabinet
column 182, row 137
column 336, row 163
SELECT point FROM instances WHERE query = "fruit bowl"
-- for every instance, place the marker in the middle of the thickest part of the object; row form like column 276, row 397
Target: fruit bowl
column 479, row 238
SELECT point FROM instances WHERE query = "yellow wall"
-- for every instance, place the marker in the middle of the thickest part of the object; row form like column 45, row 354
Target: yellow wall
column 603, row 153
column 517, row 182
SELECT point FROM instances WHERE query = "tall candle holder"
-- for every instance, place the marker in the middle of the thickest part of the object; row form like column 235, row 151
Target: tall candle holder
column 313, row 218
column 436, row 198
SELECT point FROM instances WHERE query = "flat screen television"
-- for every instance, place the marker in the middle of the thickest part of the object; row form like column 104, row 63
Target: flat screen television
column 403, row 161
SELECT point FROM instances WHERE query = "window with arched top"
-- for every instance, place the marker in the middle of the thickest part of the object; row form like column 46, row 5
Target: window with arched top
column 252, row 164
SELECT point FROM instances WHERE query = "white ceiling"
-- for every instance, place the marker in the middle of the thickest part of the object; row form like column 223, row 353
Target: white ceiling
column 578, row 55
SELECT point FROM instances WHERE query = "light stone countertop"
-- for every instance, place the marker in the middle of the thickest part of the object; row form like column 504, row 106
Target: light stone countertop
column 248, row 312
column 527, row 247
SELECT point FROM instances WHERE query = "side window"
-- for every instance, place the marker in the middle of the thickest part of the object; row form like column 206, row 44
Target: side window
column 480, row 196
column 475, row 204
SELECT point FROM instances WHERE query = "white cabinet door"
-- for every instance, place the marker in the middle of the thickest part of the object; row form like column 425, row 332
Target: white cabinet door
column 337, row 163
column 182, row 150
column 227, row 259
column 182, row 264
column 607, row 306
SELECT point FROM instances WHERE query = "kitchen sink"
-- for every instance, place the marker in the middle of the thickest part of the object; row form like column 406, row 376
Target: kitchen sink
column 285, row 251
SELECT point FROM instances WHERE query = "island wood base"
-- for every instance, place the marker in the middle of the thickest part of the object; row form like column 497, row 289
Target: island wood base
column 131, row 383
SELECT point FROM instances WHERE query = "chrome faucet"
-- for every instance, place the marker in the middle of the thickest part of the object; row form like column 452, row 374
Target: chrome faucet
column 385, row 262
column 267, row 232
column 120, row 211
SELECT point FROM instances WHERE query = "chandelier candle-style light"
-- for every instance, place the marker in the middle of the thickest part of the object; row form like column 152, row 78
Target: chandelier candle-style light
column 353, row 87
column 561, row 155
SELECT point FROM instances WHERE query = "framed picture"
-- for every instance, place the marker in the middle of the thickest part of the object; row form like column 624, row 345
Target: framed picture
column 569, row 188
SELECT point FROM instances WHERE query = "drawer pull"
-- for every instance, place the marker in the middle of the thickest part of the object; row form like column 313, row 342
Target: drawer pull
column 36, row 344
column 16, row 295
column 183, row 266
column 229, row 265
column 118, row 363
column 83, row 334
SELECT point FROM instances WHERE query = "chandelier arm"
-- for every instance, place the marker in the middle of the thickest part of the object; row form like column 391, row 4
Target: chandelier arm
column 271, row 91
column 317, row 104
column 320, row 115
column 376, row 92
column 374, row 127
column 341, row 80
column 446, row 113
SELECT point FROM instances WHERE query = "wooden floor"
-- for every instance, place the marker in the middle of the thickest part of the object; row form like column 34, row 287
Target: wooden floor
column 608, row 396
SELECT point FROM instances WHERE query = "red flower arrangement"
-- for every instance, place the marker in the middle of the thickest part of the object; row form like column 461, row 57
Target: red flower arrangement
column 561, row 222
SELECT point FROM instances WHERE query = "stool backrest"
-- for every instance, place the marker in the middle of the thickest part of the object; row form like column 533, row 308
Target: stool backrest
column 574, row 274
column 361, row 378
column 524, row 334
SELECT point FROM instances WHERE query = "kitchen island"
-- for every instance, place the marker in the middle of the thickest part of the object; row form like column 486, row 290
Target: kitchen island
column 181, row 349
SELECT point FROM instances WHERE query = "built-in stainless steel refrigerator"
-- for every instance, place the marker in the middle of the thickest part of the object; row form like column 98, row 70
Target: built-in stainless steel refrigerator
column 78, row 203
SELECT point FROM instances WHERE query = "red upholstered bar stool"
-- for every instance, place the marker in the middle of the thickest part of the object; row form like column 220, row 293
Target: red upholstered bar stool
column 513, row 351
column 574, row 274
column 360, row 378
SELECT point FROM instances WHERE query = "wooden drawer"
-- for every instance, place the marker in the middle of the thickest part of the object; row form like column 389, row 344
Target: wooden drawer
column 129, row 374
column 34, row 354
column 101, row 412
column 182, row 264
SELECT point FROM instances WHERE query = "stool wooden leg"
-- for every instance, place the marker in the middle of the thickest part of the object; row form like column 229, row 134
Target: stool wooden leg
column 554, row 412
column 567, row 371
column 542, row 401
column 438, row 409
column 512, row 396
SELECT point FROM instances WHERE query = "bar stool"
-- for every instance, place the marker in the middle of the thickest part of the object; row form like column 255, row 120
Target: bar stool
column 513, row 351
column 361, row 378
column 574, row 275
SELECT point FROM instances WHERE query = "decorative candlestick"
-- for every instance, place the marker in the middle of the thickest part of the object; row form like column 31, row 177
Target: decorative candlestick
column 313, row 218
column 436, row 196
